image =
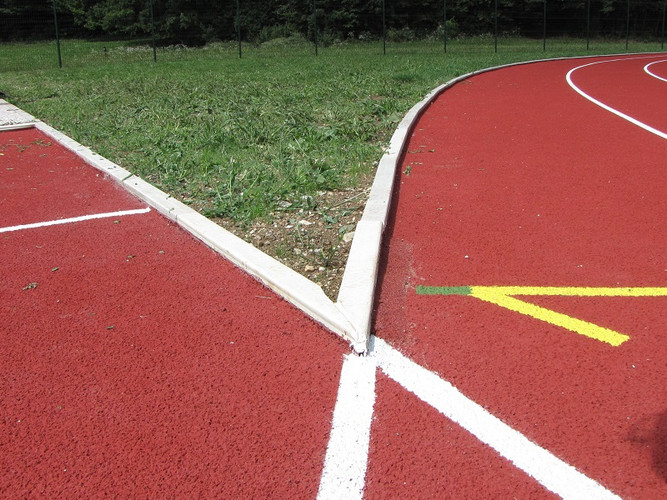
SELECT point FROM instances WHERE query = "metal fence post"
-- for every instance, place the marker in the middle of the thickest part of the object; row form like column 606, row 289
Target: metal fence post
column 544, row 28
column 384, row 29
column 588, row 23
column 444, row 23
column 627, row 26
column 315, row 25
column 238, row 26
column 495, row 26
column 55, row 22
column 153, row 33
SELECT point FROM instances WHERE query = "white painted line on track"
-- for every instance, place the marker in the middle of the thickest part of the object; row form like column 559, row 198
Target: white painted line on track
column 632, row 120
column 344, row 472
column 550, row 471
column 647, row 70
column 75, row 219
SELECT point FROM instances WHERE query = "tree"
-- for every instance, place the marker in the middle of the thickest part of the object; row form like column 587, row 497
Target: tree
column 26, row 20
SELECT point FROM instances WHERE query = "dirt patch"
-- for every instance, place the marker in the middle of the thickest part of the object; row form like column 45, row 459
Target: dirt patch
column 314, row 241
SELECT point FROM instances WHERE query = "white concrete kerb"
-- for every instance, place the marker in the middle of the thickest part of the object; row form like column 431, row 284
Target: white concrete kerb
column 286, row 282
column 350, row 317
column 358, row 280
column 12, row 118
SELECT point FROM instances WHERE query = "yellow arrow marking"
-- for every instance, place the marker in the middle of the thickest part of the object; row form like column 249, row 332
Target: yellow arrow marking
column 503, row 296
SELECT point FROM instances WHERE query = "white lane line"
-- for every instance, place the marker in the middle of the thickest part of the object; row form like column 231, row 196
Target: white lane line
column 609, row 108
column 75, row 219
column 647, row 70
column 551, row 472
column 344, row 473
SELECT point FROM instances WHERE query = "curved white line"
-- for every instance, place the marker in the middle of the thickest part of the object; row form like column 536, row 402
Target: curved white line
column 632, row 120
column 647, row 70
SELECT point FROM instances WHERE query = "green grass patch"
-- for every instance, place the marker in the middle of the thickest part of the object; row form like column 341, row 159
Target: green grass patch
column 235, row 137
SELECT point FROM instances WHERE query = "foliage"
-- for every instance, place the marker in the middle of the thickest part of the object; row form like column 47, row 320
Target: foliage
column 16, row 19
column 195, row 22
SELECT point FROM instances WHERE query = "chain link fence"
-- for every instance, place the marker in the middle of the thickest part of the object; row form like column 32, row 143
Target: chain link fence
column 147, row 28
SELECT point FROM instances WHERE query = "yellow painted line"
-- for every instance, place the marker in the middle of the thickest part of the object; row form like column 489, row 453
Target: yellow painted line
column 591, row 330
column 505, row 296
column 573, row 291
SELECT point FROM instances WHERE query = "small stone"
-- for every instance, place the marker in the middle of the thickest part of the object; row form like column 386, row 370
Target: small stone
column 348, row 237
column 309, row 268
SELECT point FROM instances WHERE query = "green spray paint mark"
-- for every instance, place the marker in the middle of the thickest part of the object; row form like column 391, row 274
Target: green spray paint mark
column 444, row 290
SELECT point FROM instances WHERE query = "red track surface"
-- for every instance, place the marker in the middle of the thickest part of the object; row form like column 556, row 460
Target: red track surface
column 625, row 86
column 659, row 69
column 417, row 453
column 511, row 178
column 140, row 363
column 137, row 362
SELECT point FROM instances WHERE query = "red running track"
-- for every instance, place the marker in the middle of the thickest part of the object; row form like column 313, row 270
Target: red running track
column 629, row 85
column 658, row 69
column 512, row 178
column 134, row 361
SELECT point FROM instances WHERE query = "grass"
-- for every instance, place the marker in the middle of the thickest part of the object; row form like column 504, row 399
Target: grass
column 237, row 137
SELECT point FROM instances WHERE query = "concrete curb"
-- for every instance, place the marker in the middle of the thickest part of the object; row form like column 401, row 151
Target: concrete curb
column 287, row 283
column 357, row 292
column 13, row 118
column 351, row 315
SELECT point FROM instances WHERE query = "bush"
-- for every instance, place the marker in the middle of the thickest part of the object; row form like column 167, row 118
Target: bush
column 452, row 30
column 273, row 32
column 401, row 35
column 286, row 42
